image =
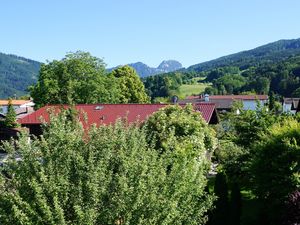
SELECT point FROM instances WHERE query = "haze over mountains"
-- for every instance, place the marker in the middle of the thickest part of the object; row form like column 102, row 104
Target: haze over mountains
column 17, row 73
column 165, row 66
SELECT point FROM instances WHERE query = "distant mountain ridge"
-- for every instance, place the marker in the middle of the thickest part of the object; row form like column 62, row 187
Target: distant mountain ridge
column 16, row 74
column 144, row 70
column 272, row 52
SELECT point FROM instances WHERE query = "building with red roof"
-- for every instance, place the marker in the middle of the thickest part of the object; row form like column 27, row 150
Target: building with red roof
column 17, row 104
column 225, row 102
column 105, row 114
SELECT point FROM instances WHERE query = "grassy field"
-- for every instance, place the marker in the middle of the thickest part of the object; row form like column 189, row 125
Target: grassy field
column 191, row 89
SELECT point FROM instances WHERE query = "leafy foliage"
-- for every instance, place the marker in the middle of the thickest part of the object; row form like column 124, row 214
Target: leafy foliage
column 112, row 176
column 181, row 129
column 229, row 84
column 168, row 84
column 78, row 78
column 279, row 148
column 230, row 157
column 276, row 165
column 130, row 86
column 279, row 77
column 237, row 135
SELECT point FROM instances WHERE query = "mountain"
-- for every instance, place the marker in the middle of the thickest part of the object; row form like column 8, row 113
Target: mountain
column 143, row 70
column 16, row 74
column 269, row 53
column 169, row 66
column 165, row 66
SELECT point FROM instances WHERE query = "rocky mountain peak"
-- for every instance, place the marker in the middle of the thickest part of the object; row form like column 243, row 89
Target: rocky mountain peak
column 169, row 66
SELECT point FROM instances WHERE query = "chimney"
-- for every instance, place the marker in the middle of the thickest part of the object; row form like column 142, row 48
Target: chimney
column 206, row 97
column 174, row 99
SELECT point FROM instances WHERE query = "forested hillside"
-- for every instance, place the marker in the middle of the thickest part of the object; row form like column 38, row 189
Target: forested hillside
column 274, row 67
column 269, row 53
column 282, row 78
column 16, row 74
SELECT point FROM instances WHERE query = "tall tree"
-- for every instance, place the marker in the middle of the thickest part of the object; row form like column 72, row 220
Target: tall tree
column 276, row 160
column 131, row 87
column 271, row 100
column 11, row 117
column 77, row 78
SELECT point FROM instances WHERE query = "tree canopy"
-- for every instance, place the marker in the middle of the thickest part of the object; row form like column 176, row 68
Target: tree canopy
column 275, row 166
column 77, row 78
column 131, row 88
column 181, row 129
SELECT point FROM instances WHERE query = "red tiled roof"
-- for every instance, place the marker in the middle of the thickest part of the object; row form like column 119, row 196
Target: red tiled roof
column 240, row 97
column 109, row 113
column 206, row 110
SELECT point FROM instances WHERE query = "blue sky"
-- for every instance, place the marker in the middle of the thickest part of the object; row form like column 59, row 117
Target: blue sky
column 126, row 31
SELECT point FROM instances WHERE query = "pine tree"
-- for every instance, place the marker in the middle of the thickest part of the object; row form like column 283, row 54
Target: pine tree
column 271, row 101
column 11, row 117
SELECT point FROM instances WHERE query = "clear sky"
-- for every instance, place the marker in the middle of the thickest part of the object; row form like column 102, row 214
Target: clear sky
column 127, row 31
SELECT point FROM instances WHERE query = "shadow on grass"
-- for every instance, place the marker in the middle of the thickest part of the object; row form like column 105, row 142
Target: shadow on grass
column 251, row 209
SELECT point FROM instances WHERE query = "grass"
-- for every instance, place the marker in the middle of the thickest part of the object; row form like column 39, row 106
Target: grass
column 251, row 208
column 198, row 78
column 192, row 89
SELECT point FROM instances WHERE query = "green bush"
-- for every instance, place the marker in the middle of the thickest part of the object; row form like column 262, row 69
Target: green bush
column 108, row 176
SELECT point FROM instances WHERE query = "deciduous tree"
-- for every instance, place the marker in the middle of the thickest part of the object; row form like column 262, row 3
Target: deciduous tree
column 175, row 126
column 77, row 78
column 131, row 87
column 275, row 167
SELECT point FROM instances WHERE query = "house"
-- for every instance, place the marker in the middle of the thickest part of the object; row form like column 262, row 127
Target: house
column 17, row 104
column 105, row 114
column 224, row 103
column 8, row 133
column 290, row 105
column 22, row 108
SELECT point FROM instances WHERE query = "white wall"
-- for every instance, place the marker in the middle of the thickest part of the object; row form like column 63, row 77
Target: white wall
column 252, row 104
column 287, row 108
column 3, row 109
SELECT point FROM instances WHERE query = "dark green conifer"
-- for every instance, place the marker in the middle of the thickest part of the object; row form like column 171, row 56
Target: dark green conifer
column 11, row 117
